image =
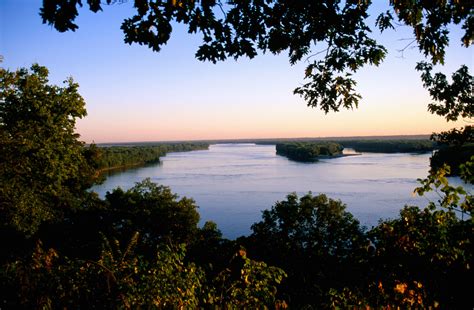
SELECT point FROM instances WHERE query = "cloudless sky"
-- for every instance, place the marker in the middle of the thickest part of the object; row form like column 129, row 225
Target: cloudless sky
column 134, row 94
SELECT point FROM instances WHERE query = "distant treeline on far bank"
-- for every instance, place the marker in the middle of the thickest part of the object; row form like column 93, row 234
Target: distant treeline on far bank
column 390, row 146
column 306, row 151
column 122, row 156
column 310, row 151
column 119, row 156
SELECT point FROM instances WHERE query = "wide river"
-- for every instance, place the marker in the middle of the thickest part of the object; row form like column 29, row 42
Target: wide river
column 233, row 183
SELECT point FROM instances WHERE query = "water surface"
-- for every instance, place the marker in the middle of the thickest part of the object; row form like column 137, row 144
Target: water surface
column 233, row 183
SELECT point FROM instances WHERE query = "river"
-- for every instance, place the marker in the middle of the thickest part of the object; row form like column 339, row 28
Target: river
column 233, row 183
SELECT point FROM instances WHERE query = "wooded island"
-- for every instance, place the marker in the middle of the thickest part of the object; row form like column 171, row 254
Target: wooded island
column 308, row 151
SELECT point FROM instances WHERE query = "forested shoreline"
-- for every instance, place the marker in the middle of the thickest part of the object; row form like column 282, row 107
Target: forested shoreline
column 131, row 155
column 118, row 157
column 390, row 146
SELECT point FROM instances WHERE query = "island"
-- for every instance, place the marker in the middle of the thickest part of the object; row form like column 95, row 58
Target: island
column 309, row 151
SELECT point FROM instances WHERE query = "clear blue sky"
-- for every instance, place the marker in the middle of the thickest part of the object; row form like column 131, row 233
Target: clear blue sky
column 134, row 94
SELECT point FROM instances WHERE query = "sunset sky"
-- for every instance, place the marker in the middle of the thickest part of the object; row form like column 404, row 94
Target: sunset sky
column 134, row 94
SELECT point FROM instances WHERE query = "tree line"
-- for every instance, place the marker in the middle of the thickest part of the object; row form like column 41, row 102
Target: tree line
column 444, row 153
column 113, row 157
column 390, row 146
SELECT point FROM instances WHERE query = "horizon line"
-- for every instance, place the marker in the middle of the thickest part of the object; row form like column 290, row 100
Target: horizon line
column 242, row 140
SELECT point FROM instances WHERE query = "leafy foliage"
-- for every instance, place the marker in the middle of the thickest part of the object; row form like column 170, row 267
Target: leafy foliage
column 457, row 148
column 430, row 21
column 313, row 239
column 122, row 279
column 119, row 279
column 152, row 210
column 246, row 284
column 44, row 169
column 422, row 259
column 157, row 214
column 455, row 137
column 455, row 99
column 452, row 156
column 452, row 100
column 337, row 31
column 453, row 198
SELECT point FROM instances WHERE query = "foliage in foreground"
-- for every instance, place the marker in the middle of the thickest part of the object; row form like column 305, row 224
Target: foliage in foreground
column 129, row 264
column 334, row 38
column 120, row 279
column 44, row 169
column 322, row 258
column 314, row 239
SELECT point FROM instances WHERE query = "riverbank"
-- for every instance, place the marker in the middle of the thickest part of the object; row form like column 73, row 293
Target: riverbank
column 125, row 157
column 233, row 183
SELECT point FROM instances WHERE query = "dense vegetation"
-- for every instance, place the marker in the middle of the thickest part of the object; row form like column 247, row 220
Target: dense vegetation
column 308, row 151
column 389, row 146
column 63, row 247
column 113, row 157
column 453, row 156
column 457, row 146
column 44, row 169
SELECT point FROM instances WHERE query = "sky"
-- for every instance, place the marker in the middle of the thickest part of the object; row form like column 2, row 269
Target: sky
column 135, row 94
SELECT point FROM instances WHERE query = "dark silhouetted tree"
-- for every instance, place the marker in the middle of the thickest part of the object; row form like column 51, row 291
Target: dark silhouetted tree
column 333, row 36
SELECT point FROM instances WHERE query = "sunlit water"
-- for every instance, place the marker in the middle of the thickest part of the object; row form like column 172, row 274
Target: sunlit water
column 233, row 183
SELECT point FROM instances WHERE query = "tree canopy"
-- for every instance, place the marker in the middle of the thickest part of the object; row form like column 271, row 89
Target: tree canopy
column 333, row 36
column 44, row 168
column 314, row 239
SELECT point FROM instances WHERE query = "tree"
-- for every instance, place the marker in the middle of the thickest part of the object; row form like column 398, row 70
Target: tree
column 333, row 34
column 152, row 210
column 427, row 254
column 44, row 168
column 118, row 279
column 453, row 101
column 246, row 284
column 314, row 240
column 422, row 259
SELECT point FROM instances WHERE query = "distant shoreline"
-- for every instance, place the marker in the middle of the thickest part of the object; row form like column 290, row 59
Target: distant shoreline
column 337, row 156
column 268, row 140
